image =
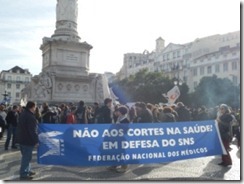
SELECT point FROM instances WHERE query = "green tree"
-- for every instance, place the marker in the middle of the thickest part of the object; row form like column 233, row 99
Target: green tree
column 148, row 87
column 213, row 91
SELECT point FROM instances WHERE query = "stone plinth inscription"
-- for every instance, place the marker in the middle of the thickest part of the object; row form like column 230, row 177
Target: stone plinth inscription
column 72, row 57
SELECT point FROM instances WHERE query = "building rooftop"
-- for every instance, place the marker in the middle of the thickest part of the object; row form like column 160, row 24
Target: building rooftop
column 17, row 69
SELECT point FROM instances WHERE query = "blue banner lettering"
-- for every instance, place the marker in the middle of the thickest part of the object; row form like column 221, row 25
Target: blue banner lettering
column 118, row 144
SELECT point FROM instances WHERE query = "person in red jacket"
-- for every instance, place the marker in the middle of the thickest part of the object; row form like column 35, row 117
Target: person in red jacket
column 71, row 116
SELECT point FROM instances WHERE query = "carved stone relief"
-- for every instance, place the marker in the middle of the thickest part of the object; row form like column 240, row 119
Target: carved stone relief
column 68, row 87
column 42, row 89
column 77, row 87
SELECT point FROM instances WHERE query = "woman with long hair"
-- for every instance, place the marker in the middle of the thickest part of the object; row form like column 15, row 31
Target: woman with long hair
column 224, row 122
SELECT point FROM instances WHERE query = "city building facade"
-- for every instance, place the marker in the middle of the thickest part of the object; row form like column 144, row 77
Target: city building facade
column 188, row 63
column 12, row 82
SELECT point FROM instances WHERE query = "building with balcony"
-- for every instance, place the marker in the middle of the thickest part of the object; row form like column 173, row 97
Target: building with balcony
column 189, row 62
column 13, row 81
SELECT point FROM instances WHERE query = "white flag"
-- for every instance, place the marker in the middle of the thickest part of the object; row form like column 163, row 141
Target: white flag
column 23, row 101
column 172, row 95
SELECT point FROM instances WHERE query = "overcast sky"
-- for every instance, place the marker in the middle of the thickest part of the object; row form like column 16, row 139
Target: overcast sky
column 112, row 27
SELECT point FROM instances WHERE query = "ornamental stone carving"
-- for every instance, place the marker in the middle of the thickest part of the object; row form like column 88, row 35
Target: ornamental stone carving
column 77, row 87
column 42, row 89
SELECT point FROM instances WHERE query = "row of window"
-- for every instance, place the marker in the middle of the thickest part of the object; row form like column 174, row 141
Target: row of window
column 18, row 79
column 131, row 65
column 217, row 57
column 9, row 86
column 217, row 68
column 17, row 95
column 167, row 57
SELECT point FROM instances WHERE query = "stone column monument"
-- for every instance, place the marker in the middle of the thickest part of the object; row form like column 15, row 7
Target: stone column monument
column 65, row 73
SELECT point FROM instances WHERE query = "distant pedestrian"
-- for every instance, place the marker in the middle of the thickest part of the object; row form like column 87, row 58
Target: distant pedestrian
column 96, row 110
column 132, row 114
column 12, row 122
column 202, row 114
column 63, row 113
column 105, row 113
column 38, row 115
column 2, row 121
column 71, row 116
column 27, row 137
column 167, row 115
column 81, row 113
column 122, row 113
column 47, row 114
column 183, row 113
column 144, row 115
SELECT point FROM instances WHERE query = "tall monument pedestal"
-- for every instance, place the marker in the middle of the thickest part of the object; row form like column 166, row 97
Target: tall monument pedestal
column 65, row 57
column 65, row 65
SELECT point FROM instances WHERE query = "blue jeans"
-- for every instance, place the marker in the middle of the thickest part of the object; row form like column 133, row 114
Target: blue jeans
column 25, row 167
column 11, row 131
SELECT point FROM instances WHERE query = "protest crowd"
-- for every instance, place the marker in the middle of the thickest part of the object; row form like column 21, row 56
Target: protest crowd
column 12, row 122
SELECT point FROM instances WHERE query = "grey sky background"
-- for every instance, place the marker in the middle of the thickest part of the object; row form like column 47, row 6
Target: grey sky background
column 112, row 27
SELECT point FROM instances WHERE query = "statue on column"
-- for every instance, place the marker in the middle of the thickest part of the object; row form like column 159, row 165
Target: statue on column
column 67, row 10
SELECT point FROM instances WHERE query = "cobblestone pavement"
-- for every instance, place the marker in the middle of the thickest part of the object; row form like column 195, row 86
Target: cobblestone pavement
column 205, row 168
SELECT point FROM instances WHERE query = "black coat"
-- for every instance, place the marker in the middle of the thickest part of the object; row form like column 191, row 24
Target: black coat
column 104, row 115
column 183, row 114
column 168, row 117
column 81, row 114
column 27, row 129
column 225, row 126
column 12, row 118
column 47, row 116
column 145, row 116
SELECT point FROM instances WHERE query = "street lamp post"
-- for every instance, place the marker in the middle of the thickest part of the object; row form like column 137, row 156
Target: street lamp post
column 176, row 82
column 5, row 95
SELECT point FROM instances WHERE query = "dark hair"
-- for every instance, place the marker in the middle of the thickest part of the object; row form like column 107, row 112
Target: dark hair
column 141, row 105
column 15, row 107
column 167, row 110
column 73, row 108
column 45, row 104
column 82, row 103
column 95, row 103
column 107, row 100
column 123, row 110
column 30, row 105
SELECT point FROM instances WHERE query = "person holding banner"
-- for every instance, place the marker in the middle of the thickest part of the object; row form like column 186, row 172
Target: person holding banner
column 224, row 121
column 27, row 137
column 122, row 118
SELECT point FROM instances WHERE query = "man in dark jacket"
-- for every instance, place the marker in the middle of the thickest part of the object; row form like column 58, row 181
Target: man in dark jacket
column 105, row 113
column 47, row 114
column 81, row 113
column 12, row 122
column 27, row 137
column 183, row 113
column 144, row 115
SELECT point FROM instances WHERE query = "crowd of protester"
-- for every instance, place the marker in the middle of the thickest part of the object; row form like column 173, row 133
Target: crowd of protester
column 140, row 112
